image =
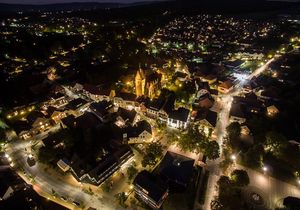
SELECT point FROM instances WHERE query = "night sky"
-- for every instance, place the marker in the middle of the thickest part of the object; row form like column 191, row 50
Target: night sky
column 66, row 1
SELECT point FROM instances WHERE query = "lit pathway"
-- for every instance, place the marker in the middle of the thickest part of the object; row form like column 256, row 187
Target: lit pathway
column 223, row 122
column 44, row 183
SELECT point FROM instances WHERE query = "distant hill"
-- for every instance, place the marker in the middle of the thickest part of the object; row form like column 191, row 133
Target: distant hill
column 211, row 6
column 64, row 6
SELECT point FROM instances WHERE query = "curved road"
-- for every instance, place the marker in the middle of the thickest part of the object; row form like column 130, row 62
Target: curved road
column 44, row 183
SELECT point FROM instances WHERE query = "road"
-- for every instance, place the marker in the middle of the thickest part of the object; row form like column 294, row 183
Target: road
column 45, row 183
column 223, row 122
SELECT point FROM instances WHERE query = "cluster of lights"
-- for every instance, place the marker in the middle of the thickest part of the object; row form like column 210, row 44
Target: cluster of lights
column 22, row 112
column 9, row 159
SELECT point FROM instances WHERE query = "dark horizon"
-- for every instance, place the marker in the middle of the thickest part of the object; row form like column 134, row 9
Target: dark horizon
column 46, row 2
column 49, row 2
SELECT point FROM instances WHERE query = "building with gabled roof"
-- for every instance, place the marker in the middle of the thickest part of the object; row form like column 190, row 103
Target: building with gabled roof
column 178, row 118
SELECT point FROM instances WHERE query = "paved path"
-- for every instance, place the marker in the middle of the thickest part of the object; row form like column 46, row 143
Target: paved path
column 223, row 122
column 274, row 189
column 44, row 182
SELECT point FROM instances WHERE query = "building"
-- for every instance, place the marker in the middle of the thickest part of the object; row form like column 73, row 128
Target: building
column 272, row 110
column 100, row 149
column 140, row 133
column 77, row 106
column 103, row 169
column 250, row 104
column 96, row 93
column 155, row 109
column 147, row 85
column 176, row 170
column 40, row 125
column 225, row 87
column 210, row 78
column 178, row 118
column 102, row 110
column 124, row 100
column 159, row 108
column 150, row 189
column 140, row 83
column 126, row 117
column 5, row 192
column 203, row 99
column 57, row 116
column 63, row 164
column 58, row 100
column 236, row 113
column 208, row 122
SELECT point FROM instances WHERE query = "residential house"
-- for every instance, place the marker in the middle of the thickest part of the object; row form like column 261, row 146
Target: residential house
column 96, row 93
column 250, row 103
column 140, row 133
column 178, row 118
column 77, row 106
column 225, row 87
column 210, row 78
column 102, row 110
column 160, row 107
column 125, row 100
column 58, row 100
column 269, row 94
column 57, row 116
column 272, row 110
column 208, row 121
column 127, row 117
column 41, row 124
column 236, row 113
column 204, row 99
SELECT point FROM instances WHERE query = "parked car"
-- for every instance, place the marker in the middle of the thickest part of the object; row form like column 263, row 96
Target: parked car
column 76, row 203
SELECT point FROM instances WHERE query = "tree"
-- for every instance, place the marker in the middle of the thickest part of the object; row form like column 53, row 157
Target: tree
column 253, row 157
column 193, row 140
column 224, row 182
column 106, row 186
column 131, row 172
column 212, row 150
column 216, row 205
column 275, row 142
column 153, row 153
column 2, row 135
column 227, row 160
column 229, row 196
column 233, row 134
column 121, row 197
column 240, row 178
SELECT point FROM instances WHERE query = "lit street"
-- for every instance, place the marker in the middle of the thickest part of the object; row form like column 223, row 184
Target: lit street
column 223, row 122
column 45, row 183
column 149, row 104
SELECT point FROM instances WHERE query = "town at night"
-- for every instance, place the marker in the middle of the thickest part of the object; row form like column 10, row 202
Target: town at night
column 149, row 105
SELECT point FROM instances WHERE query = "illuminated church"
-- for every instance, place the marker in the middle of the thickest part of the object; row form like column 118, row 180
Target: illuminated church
column 147, row 84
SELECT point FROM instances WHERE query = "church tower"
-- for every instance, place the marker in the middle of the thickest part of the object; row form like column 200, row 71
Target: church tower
column 140, row 81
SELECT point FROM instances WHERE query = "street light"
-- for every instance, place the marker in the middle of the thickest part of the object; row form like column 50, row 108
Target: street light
column 233, row 157
column 265, row 169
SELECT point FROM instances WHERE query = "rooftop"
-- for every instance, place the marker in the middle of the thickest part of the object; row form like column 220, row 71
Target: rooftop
column 151, row 185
